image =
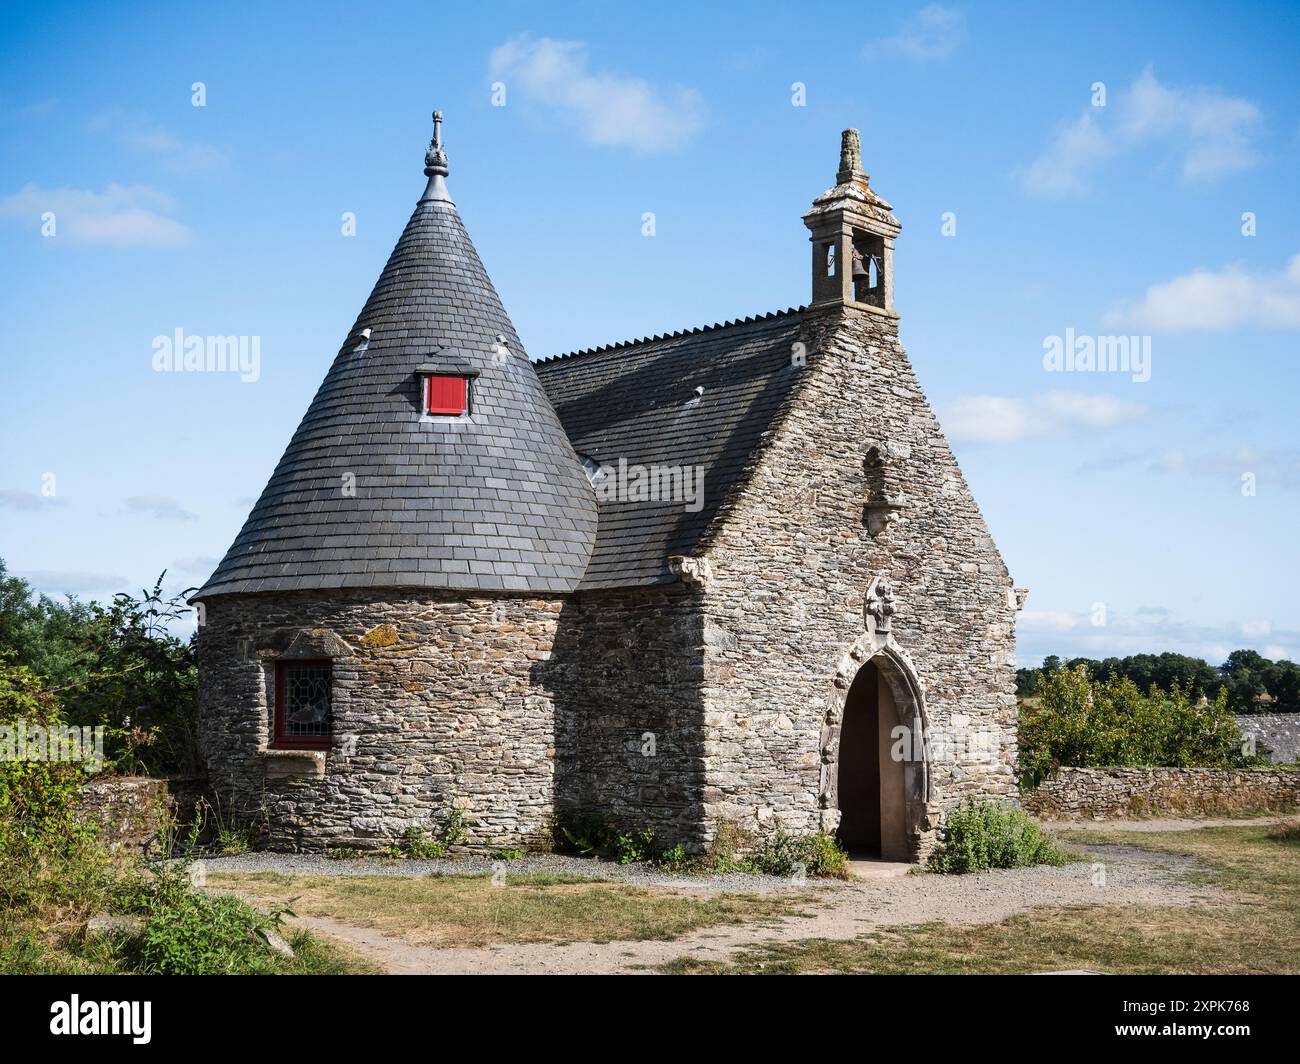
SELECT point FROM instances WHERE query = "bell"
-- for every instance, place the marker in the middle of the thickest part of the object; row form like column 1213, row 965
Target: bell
column 859, row 268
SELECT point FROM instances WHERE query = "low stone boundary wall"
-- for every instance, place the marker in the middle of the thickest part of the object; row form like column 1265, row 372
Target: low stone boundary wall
column 1116, row 793
column 128, row 811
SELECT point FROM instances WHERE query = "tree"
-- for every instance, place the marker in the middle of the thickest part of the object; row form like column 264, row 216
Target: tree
column 1082, row 722
column 117, row 665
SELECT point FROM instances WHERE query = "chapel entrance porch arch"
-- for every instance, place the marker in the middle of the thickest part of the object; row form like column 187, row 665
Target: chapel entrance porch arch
column 876, row 784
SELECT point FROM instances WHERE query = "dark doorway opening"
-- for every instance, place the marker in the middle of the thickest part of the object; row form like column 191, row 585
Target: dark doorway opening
column 859, row 765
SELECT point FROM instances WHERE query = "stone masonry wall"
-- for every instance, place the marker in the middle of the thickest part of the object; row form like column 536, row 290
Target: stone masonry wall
column 790, row 564
column 1115, row 793
column 625, row 678
column 512, row 708
column 434, row 702
column 126, row 811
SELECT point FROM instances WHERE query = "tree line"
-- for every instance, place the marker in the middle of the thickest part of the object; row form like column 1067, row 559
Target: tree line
column 1250, row 682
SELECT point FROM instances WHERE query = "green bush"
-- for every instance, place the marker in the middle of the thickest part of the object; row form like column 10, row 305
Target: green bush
column 674, row 859
column 453, row 831
column 189, row 933
column 421, row 846
column 783, row 854
column 114, row 665
column 823, row 856
column 1111, row 723
column 633, row 846
column 48, row 857
column 983, row 834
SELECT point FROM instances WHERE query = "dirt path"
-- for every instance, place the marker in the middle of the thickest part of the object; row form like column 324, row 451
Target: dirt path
column 1131, row 877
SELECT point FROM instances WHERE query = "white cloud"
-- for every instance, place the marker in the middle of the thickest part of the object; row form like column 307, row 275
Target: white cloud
column 1000, row 419
column 1209, row 132
column 118, row 215
column 163, row 507
column 60, row 582
column 144, row 136
column 1216, row 301
column 1255, row 629
column 607, row 109
column 933, row 33
column 1271, row 467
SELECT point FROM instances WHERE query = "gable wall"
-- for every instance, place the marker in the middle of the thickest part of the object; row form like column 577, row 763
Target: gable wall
column 791, row 561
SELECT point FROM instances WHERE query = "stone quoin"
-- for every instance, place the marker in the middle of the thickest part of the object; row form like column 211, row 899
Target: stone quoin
column 434, row 606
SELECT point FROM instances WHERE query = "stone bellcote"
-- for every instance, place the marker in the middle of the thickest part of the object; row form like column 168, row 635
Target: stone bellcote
column 853, row 232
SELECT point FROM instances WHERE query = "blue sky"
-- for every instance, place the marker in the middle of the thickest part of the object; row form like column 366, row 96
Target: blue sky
column 1113, row 500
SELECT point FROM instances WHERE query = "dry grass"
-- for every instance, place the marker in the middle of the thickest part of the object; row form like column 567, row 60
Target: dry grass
column 449, row 911
column 1256, row 933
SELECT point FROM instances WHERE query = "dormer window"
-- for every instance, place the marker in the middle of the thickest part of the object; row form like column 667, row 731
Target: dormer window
column 446, row 395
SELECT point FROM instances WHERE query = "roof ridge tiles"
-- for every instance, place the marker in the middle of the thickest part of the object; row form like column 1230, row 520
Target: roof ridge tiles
column 771, row 315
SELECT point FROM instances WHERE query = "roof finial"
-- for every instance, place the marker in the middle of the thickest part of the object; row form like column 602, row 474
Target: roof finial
column 850, row 158
column 435, row 159
column 435, row 164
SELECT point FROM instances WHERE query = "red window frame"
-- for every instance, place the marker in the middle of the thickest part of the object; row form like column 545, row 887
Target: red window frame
column 446, row 395
column 280, row 737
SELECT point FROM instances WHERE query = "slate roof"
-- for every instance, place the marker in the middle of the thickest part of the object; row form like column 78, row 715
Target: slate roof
column 496, row 501
column 499, row 501
column 637, row 401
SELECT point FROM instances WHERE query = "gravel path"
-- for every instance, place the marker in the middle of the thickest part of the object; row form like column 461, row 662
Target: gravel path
column 1132, row 877
column 640, row 875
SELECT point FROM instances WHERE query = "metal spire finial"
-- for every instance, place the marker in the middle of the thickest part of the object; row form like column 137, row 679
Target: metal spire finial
column 435, row 165
column 435, row 159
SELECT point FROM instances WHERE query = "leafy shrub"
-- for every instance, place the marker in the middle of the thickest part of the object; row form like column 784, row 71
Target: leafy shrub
column 189, row 933
column 674, row 859
column 983, row 834
column 116, row 666
column 453, row 831
column 507, row 855
column 783, row 854
column 421, row 846
column 48, row 855
column 824, row 857
column 1111, row 723
column 635, row 845
column 778, row 854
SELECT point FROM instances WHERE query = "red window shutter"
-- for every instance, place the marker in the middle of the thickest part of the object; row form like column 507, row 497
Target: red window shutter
column 445, row 395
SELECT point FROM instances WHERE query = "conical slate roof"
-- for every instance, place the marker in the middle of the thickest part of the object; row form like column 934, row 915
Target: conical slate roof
column 373, row 493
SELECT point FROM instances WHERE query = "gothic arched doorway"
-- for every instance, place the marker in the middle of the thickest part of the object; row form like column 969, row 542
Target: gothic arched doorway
column 871, row 784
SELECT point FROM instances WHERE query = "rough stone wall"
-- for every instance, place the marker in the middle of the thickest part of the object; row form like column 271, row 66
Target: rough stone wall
column 1279, row 733
column 127, row 812
column 625, row 678
column 790, row 563
column 1115, row 793
column 434, row 702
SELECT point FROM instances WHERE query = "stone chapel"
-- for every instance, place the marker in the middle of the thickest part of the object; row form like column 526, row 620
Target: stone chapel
column 729, row 573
